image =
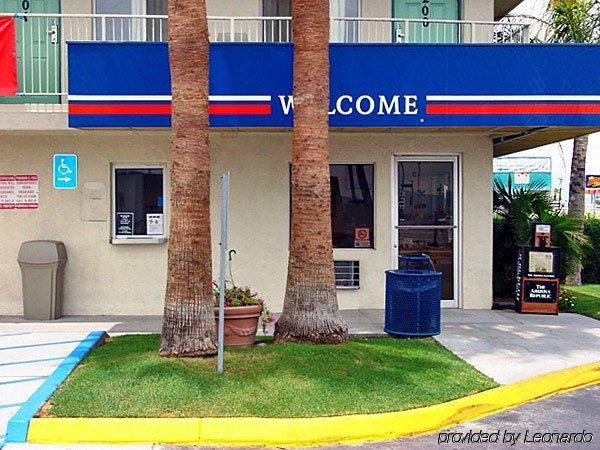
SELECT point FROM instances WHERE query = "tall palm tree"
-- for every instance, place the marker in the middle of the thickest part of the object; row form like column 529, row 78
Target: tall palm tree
column 188, row 322
column 310, row 310
column 576, row 21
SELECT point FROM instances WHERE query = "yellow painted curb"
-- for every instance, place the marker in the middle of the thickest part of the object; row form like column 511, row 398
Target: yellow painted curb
column 309, row 431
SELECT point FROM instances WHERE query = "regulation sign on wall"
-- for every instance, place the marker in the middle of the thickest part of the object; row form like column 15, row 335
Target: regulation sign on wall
column 19, row 191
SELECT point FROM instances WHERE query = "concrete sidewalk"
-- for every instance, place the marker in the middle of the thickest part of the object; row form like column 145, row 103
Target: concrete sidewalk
column 361, row 322
column 27, row 358
column 508, row 347
column 502, row 344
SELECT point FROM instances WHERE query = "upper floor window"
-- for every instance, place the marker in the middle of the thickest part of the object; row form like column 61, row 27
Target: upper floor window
column 275, row 30
column 131, row 29
column 343, row 28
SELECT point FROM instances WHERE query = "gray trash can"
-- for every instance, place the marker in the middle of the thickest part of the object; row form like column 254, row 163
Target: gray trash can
column 42, row 268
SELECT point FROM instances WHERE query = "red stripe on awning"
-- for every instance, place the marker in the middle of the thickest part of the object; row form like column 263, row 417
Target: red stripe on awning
column 512, row 108
column 8, row 57
column 240, row 110
column 120, row 109
column 163, row 109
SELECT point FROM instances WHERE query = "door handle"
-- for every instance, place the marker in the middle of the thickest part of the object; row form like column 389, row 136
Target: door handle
column 53, row 33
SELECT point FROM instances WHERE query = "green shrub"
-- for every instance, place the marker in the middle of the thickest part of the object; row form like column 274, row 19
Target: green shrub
column 591, row 257
column 566, row 300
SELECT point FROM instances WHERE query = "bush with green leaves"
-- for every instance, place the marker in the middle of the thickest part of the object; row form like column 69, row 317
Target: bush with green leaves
column 566, row 300
column 590, row 273
column 516, row 211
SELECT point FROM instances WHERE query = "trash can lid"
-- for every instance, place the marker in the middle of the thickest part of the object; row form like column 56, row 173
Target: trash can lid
column 416, row 257
column 42, row 252
column 414, row 273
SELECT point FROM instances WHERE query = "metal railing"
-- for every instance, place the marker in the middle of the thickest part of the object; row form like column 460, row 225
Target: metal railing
column 384, row 30
column 42, row 38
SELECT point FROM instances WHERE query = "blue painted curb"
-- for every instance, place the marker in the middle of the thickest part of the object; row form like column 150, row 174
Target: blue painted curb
column 18, row 425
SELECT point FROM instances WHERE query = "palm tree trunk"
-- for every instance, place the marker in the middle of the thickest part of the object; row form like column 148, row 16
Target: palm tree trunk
column 577, row 193
column 310, row 310
column 188, row 322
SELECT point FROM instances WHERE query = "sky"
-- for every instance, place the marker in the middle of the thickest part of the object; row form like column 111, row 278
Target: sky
column 561, row 153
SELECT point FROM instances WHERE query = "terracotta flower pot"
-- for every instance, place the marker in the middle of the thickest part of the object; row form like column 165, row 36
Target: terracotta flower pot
column 241, row 324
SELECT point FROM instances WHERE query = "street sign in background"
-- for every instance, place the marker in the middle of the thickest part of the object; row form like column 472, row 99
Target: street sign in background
column 592, row 181
column 64, row 170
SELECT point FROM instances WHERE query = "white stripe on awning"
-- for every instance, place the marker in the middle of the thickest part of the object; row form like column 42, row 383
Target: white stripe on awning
column 166, row 98
column 513, row 98
column 117, row 98
column 239, row 98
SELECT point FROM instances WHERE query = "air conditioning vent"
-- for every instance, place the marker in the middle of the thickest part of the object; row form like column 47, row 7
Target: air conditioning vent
column 347, row 274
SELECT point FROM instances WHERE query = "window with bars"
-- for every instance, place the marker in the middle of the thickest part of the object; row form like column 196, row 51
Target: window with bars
column 347, row 274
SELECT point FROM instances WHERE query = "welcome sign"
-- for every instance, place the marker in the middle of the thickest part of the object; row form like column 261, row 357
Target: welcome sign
column 380, row 85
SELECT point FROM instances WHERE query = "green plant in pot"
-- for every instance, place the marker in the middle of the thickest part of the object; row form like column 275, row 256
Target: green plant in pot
column 243, row 310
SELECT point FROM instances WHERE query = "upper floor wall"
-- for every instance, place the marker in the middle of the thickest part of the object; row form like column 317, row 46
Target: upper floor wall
column 352, row 20
column 485, row 10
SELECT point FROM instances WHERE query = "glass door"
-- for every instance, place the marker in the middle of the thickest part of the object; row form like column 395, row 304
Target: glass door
column 427, row 216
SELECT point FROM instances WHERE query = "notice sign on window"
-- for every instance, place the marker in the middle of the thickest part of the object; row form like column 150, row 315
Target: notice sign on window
column 362, row 237
column 19, row 191
column 541, row 262
column 154, row 224
column 124, row 223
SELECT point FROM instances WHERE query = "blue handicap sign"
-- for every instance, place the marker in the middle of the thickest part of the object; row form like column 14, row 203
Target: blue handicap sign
column 65, row 171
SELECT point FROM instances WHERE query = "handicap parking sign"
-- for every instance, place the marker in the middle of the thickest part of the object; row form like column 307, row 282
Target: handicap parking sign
column 65, row 171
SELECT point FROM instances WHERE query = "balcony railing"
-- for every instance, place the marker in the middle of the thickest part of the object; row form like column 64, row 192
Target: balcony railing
column 42, row 38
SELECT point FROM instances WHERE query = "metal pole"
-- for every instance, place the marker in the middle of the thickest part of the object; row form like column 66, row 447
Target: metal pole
column 223, row 248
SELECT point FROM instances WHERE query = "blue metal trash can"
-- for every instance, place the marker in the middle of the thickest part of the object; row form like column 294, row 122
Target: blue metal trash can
column 413, row 298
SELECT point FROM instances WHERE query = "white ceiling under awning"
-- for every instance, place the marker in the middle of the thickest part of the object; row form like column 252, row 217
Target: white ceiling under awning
column 503, row 7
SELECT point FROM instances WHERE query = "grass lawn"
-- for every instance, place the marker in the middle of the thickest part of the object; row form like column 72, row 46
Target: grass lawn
column 127, row 378
column 587, row 301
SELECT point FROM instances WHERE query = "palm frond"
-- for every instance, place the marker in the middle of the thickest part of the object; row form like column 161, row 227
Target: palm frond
column 574, row 21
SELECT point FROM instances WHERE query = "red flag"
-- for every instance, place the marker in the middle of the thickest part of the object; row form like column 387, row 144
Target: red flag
column 8, row 57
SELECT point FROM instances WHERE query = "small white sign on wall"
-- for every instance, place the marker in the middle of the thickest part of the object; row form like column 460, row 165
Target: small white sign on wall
column 154, row 224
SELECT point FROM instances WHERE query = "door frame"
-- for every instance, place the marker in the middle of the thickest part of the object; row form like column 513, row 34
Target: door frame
column 459, row 9
column 457, row 221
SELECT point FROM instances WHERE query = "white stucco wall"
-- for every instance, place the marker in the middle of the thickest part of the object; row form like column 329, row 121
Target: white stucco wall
column 129, row 279
column 234, row 8
column 470, row 9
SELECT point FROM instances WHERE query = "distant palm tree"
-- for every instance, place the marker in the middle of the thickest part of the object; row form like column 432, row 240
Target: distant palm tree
column 188, row 322
column 310, row 310
column 576, row 21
